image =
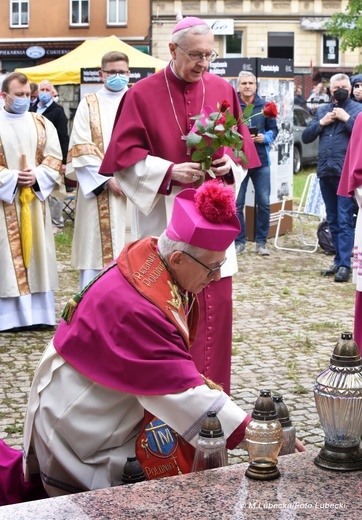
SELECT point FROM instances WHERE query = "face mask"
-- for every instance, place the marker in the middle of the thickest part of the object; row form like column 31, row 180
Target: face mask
column 117, row 82
column 20, row 105
column 44, row 97
column 56, row 98
column 341, row 95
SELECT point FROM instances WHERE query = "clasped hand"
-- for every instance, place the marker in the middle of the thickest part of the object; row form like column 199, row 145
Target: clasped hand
column 189, row 172
column 26, row 178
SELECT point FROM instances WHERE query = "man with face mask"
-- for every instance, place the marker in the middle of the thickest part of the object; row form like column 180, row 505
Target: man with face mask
column 100, row 222
column 333, row 125
column 47, row 106
column 30, row 163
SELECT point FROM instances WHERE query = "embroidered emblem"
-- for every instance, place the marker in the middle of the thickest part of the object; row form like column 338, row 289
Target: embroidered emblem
column 160, row 440
column 176, row 301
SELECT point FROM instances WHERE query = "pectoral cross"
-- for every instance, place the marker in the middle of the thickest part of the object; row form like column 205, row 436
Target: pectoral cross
column 188, row 149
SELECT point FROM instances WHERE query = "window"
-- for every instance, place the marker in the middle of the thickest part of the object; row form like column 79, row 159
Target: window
column 19, row 13
column 79, row 14
column 330, row 50
column 234, row 45
column 281, row 45
column 116, row 12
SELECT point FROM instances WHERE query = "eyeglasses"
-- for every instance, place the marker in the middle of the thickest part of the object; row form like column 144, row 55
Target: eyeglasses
column 198, row 56
column 359, row 85
column 114, row 72
column 211, row 270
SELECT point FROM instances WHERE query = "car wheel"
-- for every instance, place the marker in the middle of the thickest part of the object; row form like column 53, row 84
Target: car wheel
column 297, row 160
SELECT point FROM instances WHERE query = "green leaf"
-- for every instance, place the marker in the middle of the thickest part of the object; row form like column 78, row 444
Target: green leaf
column 247, row 111
column 200, row 127
column 213, row 116
column 219, row 128
column 211, row 173
column 212, row 136
column 198, row 155
column 192, row 139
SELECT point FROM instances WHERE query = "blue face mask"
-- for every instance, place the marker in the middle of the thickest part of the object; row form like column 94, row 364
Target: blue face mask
column 20, row 105
column 117, row 82
column 44, row 97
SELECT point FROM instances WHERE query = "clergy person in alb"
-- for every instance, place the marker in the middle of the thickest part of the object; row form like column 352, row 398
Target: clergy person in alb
column 30, row 164
column 150, row 160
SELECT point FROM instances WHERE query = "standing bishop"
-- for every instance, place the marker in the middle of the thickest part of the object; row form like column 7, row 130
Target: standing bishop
column 149, row 153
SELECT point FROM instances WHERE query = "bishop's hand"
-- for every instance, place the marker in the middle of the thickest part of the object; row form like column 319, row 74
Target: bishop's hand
column 186, row 173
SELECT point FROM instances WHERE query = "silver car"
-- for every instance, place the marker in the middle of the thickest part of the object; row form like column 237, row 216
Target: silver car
column 303, row 153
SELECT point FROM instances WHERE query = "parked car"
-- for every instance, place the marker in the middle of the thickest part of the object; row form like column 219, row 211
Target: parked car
column 303, row 153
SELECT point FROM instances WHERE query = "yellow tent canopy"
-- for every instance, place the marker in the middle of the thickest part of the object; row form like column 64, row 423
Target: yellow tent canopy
column 66, row 69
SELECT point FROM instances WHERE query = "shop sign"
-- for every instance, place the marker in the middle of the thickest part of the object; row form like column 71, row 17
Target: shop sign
column 35, row 52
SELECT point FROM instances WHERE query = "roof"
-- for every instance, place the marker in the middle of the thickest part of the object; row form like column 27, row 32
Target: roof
column 66, row 69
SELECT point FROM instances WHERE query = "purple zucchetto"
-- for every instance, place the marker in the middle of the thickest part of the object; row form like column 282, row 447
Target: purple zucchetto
column 187, row 23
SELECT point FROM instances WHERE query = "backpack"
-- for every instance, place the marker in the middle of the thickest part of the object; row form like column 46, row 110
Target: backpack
column 325, row 238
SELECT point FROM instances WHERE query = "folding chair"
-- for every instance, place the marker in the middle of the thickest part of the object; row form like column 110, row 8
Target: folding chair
column 69, row 208
column 310, row 208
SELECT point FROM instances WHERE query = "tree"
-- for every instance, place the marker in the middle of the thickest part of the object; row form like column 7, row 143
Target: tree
column 348, row 25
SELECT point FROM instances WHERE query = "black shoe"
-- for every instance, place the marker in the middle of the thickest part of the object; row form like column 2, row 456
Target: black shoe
column 331, row 271
column 342, row 274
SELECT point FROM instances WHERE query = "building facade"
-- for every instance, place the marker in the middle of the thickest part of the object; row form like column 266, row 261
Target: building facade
column 33, row 32
column 265, row 29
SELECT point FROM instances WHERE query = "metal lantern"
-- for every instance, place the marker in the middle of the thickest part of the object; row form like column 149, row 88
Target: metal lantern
column 338, row 398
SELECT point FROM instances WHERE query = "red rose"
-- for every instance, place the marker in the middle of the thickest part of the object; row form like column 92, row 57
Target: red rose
column 270, row 110
column 224, row 106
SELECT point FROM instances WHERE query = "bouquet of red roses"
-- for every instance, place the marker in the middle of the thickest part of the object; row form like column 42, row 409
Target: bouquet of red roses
column 211, row 133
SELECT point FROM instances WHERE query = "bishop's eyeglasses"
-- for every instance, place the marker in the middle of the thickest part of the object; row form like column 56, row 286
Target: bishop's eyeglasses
column 198, row 56
column 211, row 270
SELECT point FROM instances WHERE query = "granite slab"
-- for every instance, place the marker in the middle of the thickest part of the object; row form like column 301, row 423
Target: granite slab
column 303, row 491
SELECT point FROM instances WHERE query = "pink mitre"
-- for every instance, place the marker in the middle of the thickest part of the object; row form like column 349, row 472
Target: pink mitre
column 205, row 218
column 187, row 23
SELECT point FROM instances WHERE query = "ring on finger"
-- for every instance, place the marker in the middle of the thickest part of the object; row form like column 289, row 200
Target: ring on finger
column 194, row 178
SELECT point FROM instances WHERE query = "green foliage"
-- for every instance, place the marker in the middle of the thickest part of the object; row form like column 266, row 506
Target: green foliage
column 348, row 26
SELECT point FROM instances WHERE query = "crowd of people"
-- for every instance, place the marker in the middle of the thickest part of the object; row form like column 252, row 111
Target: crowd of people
column 142, row 339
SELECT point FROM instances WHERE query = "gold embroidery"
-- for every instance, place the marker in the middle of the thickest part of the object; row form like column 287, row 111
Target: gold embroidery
column 103, row 198
column 176, row 301
column 13, row 230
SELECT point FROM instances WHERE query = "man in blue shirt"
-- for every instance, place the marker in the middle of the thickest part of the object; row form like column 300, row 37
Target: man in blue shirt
column 266, row 131
column 333, row 125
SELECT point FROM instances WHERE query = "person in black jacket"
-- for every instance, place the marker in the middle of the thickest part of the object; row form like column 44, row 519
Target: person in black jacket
column 55, row 113
column 333, row 125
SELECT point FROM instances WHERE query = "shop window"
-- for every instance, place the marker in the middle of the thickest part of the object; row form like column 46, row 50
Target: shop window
column 281, row 45
column 116, row 12
column 234, row 45
column 19, row 13
column 79, row 12
column 330, row 50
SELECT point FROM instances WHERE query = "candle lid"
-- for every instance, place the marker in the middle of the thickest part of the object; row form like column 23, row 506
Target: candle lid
column 264, row 409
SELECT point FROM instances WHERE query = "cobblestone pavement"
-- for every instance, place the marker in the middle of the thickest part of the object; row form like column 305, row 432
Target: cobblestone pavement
column 287, row 319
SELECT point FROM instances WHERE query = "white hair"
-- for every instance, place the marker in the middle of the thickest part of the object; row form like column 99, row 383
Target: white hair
column 244, row 74
column 339, row 77
column 167, row 246
column 180, row 36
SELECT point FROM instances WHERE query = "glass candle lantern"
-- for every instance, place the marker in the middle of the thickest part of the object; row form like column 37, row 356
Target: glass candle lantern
column 338, row 398
column 210, row 445
column 263, row 437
